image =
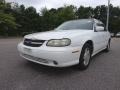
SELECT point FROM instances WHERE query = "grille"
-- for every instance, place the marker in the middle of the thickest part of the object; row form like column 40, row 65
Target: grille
column 35, row 58
column 33, row 43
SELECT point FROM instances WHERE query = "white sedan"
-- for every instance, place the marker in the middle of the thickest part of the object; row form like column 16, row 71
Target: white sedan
column 74, row 42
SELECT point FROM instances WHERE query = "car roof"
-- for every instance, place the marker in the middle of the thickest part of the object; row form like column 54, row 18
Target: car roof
column 91, row 19
column 82, row 19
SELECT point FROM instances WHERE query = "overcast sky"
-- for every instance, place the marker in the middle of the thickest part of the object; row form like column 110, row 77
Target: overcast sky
column 38, row 4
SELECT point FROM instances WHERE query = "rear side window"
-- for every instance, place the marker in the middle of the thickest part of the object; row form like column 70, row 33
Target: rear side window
column 100, row 24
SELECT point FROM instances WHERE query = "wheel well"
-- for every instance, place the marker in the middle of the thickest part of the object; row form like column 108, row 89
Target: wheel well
column 90, row 42
column 109, row 39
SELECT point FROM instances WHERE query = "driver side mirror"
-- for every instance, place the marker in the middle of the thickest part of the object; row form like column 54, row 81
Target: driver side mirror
column 99, row 28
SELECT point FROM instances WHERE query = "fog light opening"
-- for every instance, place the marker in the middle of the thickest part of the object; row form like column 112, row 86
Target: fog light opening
column 56, row 63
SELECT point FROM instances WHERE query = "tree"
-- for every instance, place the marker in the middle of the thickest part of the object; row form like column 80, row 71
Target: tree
column 66, row 13
column 29, row 21
column 7, row 21
column 84, row 12
column 114, row 26
column 100, row 12
column 54, row 17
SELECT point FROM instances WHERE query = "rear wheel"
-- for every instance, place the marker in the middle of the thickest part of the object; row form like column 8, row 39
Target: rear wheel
column 108, row 46
column 85, row 57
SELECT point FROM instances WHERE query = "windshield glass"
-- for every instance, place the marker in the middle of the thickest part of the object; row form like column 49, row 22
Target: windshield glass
column 77, row 24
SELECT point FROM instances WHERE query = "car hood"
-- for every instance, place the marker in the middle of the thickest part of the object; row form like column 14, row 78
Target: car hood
column 57, row 34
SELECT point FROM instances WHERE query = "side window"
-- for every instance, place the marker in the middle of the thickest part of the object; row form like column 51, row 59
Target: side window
column 101, row 24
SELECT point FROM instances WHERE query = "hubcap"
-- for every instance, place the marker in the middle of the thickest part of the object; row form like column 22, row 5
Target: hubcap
column 86, row 56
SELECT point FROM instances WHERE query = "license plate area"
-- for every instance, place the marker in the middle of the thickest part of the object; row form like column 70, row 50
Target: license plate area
column 27, row 50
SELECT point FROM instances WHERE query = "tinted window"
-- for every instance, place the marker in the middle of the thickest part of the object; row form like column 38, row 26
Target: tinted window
column 102, row 25
column 77, row 24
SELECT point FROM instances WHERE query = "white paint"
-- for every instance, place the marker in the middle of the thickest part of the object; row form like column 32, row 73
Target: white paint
column 64, row 55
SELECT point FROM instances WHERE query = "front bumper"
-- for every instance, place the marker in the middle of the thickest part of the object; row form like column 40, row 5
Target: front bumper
column 51, row 56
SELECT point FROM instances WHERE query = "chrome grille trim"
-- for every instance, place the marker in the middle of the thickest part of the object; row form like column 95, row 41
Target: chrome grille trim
column 33, row 43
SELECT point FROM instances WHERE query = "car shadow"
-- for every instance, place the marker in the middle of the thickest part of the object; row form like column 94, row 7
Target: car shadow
column 52, row 71
column 94, row 58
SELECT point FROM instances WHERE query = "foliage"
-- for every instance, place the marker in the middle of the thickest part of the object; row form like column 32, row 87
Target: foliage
column 17, row 20
column 54, row 17
column 7, row 21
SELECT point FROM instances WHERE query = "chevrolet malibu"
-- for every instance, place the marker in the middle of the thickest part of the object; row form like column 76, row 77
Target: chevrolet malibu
column 72, row 43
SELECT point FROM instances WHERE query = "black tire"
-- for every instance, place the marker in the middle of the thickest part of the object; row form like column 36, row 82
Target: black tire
column 108, row 46
column 82, row 64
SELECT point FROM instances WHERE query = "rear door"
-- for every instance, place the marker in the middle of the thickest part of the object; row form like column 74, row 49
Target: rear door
column 104, row 35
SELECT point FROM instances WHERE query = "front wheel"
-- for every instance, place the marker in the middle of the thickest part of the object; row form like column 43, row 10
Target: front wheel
column 85, row 57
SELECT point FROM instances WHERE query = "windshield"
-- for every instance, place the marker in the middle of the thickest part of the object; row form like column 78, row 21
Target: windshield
column 77, row 24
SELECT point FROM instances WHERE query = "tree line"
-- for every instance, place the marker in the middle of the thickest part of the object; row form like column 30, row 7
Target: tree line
column 16, row 20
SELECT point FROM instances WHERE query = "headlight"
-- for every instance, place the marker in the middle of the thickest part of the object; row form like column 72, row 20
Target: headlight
column 59, row 42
